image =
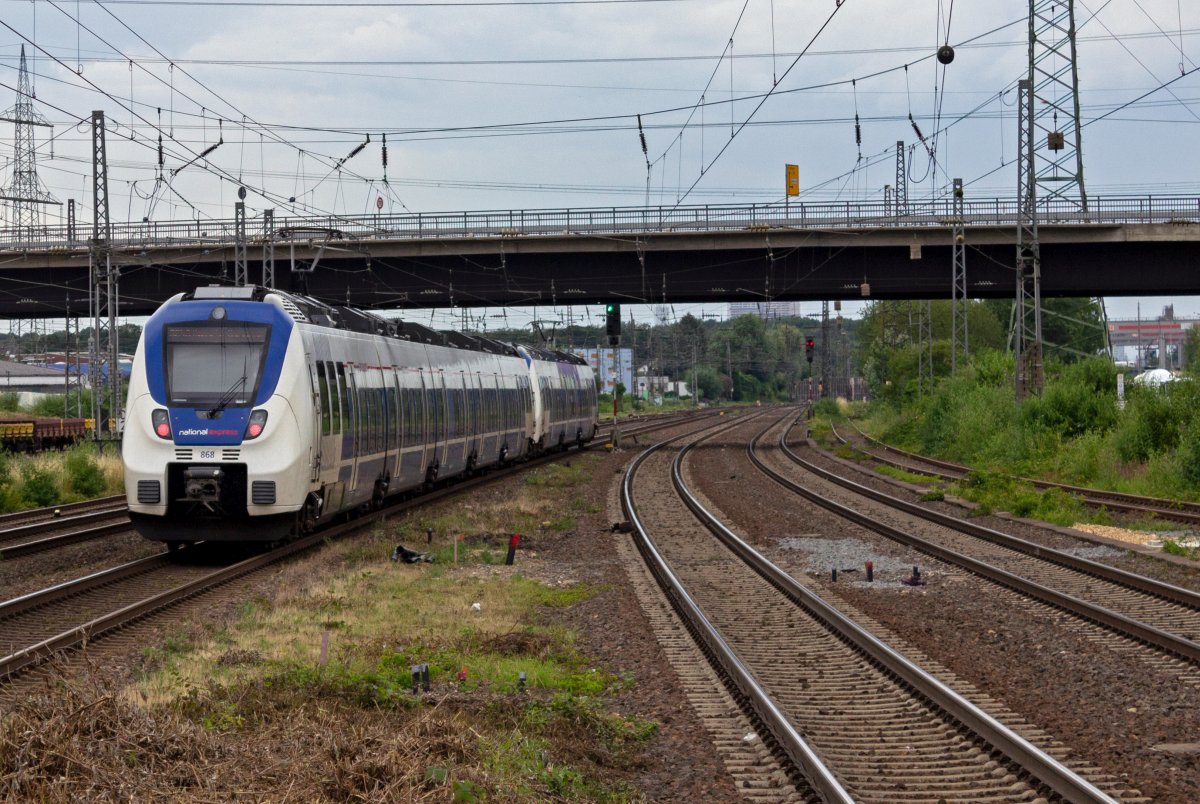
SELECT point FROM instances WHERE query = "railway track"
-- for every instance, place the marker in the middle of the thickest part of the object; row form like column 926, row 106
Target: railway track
column 28, row 532
column 23, row 540
column 1172, row 510
column 1132, row 606
column 875, row 726
column 40, row 624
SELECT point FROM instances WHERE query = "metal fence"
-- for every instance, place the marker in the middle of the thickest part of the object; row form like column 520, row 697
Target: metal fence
column 849, row 215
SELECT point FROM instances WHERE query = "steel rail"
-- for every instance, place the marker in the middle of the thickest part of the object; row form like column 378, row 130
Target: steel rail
column 33, row 528
column 51, row 594
column 1115, row 500
column 51, row 510
column 797, row 749
column 62, row 539
column 1049, row 771
column 1148, row 634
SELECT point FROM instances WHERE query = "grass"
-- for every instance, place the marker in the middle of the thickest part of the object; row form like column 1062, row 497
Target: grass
column 908, row 477
column 1176, row 549
column 267, row 672
column 1000, row 492
column 54, row 478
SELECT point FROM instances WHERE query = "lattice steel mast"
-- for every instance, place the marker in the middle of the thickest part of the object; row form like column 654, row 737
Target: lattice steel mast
column 1053, row 70
column 105, row 298
column 959, row 303
column 25, row 190
column 1028, row 325
column 1048, row 104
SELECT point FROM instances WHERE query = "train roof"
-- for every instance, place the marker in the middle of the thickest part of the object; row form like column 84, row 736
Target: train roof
column 306, row 309
column 554, row 355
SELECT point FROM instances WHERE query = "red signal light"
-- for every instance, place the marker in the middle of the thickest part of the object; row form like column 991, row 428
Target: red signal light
column 161, row 423
column 258, row 421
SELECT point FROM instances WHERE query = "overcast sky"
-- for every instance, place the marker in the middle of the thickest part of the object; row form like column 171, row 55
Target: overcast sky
column 499, row 105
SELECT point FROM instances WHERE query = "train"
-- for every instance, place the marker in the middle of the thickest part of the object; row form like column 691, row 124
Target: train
column 256, row 415
column 23, row 433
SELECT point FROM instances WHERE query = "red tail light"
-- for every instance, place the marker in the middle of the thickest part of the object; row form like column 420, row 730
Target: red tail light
column 258, row 421
column 161, row 423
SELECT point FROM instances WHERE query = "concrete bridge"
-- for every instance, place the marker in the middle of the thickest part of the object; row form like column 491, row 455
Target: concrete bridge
column 1144, row 245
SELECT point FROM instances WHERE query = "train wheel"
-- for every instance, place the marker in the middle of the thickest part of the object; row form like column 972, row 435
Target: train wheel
column 381, row 487
column 306, row 517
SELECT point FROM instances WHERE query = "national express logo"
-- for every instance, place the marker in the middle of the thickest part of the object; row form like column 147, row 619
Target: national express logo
column 206, row 431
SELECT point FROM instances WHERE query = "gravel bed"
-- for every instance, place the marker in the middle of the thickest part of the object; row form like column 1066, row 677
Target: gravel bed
column 20, row 576
column 1150, row 565
column 1112, row 710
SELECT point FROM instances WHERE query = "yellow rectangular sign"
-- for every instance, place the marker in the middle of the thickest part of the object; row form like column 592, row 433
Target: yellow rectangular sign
column 793, row 180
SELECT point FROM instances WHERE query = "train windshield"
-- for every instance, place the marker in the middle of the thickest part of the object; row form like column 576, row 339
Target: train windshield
column 214, row 363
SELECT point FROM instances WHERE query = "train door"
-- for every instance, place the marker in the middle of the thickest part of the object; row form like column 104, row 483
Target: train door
column 353, row 432
column 435, row 408
column 395, row 438
column 320, row 393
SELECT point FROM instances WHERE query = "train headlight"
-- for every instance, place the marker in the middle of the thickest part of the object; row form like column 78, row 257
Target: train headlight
column 161, row 423
column 258, row 420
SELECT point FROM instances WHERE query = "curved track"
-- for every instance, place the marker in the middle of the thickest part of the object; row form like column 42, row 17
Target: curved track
column 1172, row 510
column 1149, row 611
column 879, row 726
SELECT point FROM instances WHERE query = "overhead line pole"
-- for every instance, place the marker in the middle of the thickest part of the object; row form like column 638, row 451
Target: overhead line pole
column 105, row 295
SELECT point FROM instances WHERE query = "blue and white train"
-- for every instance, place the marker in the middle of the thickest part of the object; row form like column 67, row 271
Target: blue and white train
column 255, row 414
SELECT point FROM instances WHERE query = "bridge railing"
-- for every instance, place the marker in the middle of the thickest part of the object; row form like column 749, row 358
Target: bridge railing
column 601, row 221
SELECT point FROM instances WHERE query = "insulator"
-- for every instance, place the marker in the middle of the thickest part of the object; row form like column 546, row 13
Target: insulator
column 857, row 131
column 160, row 151
column 916, row 128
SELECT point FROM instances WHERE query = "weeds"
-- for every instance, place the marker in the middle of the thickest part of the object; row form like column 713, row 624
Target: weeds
column 1176, row 549
column 53, row 478
column 906, row 476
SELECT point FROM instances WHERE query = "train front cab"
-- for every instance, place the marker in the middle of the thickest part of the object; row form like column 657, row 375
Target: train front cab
column 213, row 448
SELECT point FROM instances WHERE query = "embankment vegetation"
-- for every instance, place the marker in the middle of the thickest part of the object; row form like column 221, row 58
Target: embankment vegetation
column 1074, row 432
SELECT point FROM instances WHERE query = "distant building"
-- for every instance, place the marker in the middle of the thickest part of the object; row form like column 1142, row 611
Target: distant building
column 601, row 360
column 766, row 310
column 31, row 383
column 655, row 387
column 1150, row 342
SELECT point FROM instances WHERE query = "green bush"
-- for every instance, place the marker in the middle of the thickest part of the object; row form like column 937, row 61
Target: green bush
column 39, row 488
column 84, row 475
column 826, row 407
column 1148, row 425
column 1189, row 456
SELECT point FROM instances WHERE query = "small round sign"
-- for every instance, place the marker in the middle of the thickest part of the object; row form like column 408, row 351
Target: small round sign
column 379, row 202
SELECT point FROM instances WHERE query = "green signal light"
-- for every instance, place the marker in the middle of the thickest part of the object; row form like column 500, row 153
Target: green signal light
column 609, row 308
